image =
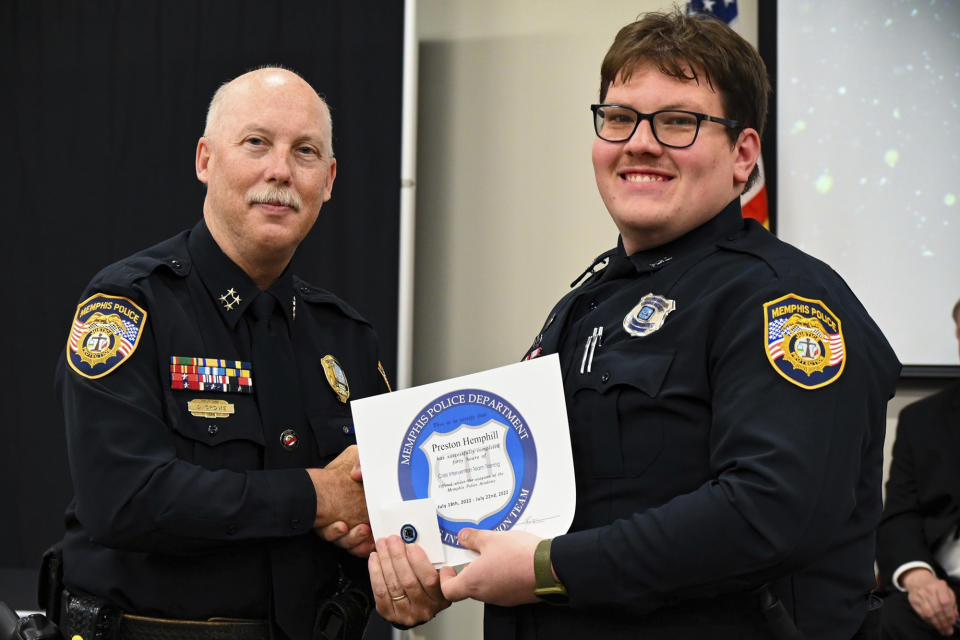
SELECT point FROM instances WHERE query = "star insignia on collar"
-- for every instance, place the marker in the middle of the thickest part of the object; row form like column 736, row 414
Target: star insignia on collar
column 230, row 299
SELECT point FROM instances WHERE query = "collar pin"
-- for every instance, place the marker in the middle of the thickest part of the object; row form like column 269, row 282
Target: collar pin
column 230, row 299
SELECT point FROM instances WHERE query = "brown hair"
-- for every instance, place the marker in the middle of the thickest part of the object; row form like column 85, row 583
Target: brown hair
column 686, row 46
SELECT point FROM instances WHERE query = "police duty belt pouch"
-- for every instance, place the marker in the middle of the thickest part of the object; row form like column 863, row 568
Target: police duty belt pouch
column 89, row 617
column 344, row 615
column 50, row 582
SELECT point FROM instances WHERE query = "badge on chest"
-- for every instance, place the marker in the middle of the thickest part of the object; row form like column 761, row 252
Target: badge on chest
column 648, row 316
column 336, row 378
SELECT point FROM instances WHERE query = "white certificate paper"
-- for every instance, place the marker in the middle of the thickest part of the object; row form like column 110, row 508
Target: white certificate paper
column 490, row 450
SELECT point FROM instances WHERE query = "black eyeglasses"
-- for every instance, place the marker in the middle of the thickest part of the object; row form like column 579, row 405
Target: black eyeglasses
column 671, row 127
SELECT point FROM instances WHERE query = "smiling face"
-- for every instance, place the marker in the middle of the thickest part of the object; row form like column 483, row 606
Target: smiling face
column 265, row 159
column 654, row 193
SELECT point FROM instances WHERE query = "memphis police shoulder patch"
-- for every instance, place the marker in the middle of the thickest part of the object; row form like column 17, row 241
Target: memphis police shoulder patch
column 804, row 341
column 106, row 330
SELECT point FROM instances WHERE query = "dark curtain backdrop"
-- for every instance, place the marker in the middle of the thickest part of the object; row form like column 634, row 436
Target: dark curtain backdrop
column 102, row 103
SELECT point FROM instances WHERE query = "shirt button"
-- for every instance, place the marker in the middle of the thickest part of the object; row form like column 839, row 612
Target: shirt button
column 593, row 305
column 212, row 429
column 231, row 529
column 605, row 376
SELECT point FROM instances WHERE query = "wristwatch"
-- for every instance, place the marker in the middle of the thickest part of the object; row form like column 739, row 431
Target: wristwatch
column 547, row 587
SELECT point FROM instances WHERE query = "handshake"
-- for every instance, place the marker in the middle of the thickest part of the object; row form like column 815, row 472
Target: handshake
column 408, row 590
column 342, row 519
column 341, row 505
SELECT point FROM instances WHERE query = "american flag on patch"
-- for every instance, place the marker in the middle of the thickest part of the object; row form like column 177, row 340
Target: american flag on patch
column 78, row 331
column 836, row 348
column 775, row 338
column 775, row 342
column 128, row 337
column 753, row 201
column 125, row 340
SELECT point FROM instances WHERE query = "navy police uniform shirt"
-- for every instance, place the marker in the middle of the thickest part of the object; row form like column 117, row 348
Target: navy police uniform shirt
column 727, row 397
column 188, row 503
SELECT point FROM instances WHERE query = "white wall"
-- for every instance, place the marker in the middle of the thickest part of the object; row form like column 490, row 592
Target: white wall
column 507, row 209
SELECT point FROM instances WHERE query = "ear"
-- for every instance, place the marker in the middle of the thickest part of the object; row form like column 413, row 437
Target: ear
column 747, row 153
column 203, row 160
column 331, row 176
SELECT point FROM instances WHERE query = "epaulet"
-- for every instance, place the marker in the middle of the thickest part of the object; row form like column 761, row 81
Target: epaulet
column 170, row 254
column 593, row 269
column 756, row 241
column 784, row 259
column 316, row 295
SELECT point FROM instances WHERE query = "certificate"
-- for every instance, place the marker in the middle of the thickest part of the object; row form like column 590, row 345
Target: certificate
column 490, row 450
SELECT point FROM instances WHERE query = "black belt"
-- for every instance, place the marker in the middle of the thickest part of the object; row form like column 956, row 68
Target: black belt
column 144, row 628
column 95, row 619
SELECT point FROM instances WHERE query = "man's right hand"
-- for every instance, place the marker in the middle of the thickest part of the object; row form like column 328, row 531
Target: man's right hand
column 932, row 599
column 339, row 496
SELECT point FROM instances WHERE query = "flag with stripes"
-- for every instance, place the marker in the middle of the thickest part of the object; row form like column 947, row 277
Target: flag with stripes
column 804, row 341
column 104, row 333
column 753, row 201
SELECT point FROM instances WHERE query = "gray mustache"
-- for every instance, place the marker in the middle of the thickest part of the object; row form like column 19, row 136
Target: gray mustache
column 276, row 195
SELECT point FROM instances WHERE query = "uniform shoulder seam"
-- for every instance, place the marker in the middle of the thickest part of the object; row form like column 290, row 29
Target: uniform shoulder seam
column 170, row 253
column 317, row 295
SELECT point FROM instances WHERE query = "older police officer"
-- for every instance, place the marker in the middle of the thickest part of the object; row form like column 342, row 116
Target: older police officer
column 205, row 390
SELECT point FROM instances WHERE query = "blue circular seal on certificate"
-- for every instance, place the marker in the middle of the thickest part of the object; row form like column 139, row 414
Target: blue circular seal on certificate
column 472, row 452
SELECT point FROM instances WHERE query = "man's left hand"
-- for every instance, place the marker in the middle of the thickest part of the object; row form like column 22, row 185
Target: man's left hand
column 502, row 575
column 357, row 541
column 406, row 587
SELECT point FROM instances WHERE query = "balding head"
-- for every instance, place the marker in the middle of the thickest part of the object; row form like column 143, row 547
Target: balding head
column 263, row 78
column 267, row 161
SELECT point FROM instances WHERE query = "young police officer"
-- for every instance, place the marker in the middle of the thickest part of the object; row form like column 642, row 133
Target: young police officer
column 726, row 392
column 205, row 393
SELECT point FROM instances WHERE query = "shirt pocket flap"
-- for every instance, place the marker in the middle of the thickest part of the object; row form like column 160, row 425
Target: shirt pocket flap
column 641, row 369
column 213, row 419
column 609, row 416
column 333, row 433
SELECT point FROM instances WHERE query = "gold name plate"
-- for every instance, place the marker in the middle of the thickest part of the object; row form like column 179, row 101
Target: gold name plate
column 209, row 408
